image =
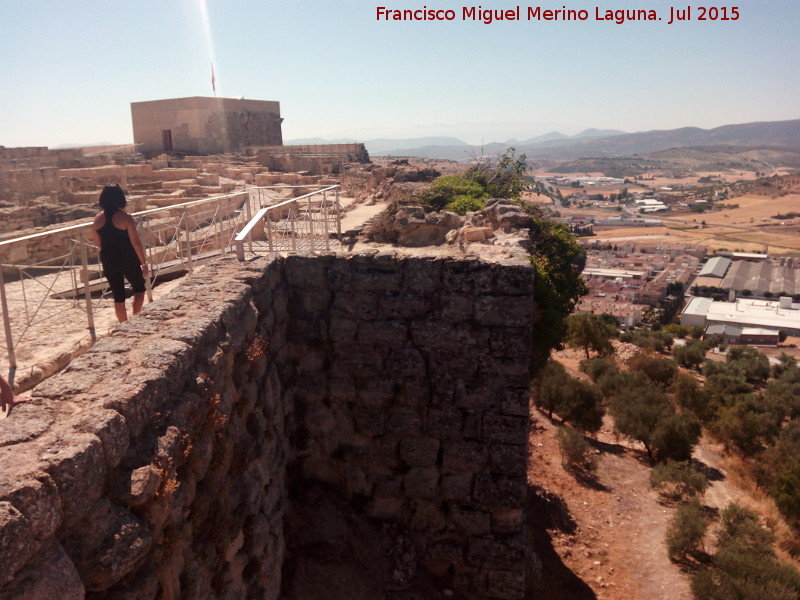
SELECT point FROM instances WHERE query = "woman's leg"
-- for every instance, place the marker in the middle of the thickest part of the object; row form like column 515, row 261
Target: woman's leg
column 138, row 302
column 119, row 310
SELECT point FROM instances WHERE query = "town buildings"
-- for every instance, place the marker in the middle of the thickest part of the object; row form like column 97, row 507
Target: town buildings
column 781, row 315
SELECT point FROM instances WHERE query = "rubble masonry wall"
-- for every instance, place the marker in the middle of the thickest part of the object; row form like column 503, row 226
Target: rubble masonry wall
column 157, row 465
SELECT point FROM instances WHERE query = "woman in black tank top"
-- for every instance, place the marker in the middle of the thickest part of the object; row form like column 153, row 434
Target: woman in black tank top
column 121, row 251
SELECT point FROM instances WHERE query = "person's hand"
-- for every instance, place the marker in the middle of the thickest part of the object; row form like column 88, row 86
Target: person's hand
column 145, row 271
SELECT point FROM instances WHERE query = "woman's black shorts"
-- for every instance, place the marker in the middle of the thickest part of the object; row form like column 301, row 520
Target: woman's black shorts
column 116, row 280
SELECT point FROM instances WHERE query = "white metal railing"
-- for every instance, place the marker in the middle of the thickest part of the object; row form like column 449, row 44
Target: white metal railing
column 44, row 293
column 301, row 224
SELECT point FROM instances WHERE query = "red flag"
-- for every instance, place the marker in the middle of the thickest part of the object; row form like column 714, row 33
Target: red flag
column 213, row 81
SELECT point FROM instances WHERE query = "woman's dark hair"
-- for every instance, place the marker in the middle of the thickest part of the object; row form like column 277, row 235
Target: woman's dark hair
column 112, row 198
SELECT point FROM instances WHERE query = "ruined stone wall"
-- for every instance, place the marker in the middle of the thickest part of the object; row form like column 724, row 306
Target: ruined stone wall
column 158, row 464
column 414, row 400
column 26, row 184
column 318, row 159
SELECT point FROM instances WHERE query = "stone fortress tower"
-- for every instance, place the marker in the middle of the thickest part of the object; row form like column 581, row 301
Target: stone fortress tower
column 202, row 125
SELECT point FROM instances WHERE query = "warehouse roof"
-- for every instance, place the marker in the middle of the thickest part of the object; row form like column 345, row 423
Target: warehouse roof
column 715, row 267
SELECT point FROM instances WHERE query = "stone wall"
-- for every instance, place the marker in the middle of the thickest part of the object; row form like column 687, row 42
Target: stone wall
column 159, row 464
column 317, row 159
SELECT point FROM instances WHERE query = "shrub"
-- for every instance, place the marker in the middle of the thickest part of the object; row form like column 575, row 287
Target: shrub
column 686, row 531
column 745, row 566
column 677, row 480
column 595, row 368
column 690, row 355
column 691, row 396
column 656, row 369
column 577, row 455
column 637, row 410
column 461, row 205
column 675, row 436
column 576, row 401
column 590, row 332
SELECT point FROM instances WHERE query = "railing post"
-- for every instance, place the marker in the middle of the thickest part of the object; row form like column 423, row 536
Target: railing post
column 148, row 257
column 269, row 232
column 312, row 243
column 87, row 294
column 338, row 217
column 188, row 242
column 292, row 221
column 325, row 220
column 12, row 356
column 220, row 233
column 249, row 212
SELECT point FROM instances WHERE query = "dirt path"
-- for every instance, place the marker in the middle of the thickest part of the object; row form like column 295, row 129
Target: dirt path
column 617, row 546
column 615, row 543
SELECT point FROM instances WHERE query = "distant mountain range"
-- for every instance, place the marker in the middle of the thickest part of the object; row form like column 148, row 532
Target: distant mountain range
column 592, row 142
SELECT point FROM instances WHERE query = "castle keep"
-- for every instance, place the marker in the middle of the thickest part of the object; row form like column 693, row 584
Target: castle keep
column 204, row 125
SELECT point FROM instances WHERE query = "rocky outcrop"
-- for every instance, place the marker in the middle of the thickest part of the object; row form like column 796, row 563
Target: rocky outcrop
column 161, row 464
column 412, row 226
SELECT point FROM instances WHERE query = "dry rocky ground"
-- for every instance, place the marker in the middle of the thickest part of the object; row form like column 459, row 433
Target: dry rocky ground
column 607, row 533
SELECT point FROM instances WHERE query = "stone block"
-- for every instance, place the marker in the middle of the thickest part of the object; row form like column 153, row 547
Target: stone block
column 510, row 342
column 425, row 515
column 499, row 491
column 507, row 521
column 468, row 520
column 457, row 486
column 454, row 308
column 110, row 548
column 403, row 305
column 516, row 402
column 16, row 547
column 420, row 452
column 422, row 275
column 357, row 360
column 460, row 456
column 444, row 423
column 506, row 584
column 406, row 361
column 414, row 392
column 342, row 330
column 36, row 497
column 375, row 392
column 504, row 311
column 515, row 279
column 77, row 465
column 361, row 307
column 385, row 333
column 437, row 335
column 506, row 429
column 508, row 459
column 53, row 576
column 403, row 422
column 477, row 234
column 385, row 508
column 511, row 371
column 369, row 420
column 493, row 553
column 110, row 427
column 472, row 277
column 421, row 482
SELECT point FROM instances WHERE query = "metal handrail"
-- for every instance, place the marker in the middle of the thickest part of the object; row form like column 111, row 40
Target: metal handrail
column 263, row 223
column 189, row 232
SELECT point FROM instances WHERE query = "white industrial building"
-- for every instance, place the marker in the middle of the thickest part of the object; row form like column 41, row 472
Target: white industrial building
column 783, row 315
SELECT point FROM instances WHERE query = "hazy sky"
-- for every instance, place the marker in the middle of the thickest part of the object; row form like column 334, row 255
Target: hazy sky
column 71, row 68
